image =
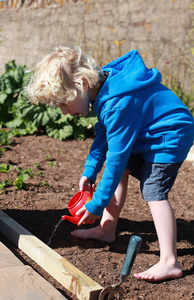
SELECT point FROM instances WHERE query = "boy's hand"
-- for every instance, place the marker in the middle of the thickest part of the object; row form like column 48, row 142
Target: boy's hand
column 86, row 184
column 87, row 217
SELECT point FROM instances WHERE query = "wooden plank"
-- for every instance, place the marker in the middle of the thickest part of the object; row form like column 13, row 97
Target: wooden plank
column 78, row 283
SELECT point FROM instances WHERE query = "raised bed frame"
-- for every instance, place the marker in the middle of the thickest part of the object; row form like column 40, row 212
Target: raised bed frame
column 75, row 281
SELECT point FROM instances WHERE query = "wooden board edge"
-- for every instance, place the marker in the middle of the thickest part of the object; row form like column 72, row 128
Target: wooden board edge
column 74, row 280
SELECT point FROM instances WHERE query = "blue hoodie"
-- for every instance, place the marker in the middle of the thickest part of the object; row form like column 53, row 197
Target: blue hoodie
column 136, row 114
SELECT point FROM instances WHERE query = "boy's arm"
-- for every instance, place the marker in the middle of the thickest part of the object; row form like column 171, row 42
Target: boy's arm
column 97, row 155
column 123, row 128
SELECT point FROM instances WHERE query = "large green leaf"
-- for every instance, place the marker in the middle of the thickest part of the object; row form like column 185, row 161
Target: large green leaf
column 79, row 133
column 3, row 97
column 15, row 123
column 60, row 133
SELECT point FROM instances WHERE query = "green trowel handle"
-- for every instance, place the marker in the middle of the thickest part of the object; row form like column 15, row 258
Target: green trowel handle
column 132, row 250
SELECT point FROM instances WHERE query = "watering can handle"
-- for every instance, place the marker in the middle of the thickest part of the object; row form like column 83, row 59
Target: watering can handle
column 132, row 250
column 90, row 191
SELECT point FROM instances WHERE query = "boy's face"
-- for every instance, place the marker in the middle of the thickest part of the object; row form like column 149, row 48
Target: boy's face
column 79, row 106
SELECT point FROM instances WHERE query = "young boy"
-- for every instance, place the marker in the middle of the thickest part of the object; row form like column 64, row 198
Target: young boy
column 143, row 129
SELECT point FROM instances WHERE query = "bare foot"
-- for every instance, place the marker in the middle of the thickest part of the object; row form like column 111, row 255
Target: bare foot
column 96, row 233
column 160, row 271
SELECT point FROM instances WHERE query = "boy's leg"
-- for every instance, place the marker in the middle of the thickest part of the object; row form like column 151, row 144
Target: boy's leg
column 105, row 231
column 165, row 224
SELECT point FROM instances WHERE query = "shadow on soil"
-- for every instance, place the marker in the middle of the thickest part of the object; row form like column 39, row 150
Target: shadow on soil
column 42, row 223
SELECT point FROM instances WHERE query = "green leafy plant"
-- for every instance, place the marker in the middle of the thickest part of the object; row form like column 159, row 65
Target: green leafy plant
column 23, row 117
column 4, row 168
column 22, row 176
column 11, row 84
column 4, row 184
column 19, row 182
column 27, row 172
column 5, row 137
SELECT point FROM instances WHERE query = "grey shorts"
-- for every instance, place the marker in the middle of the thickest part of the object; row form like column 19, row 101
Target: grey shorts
column 156, row 179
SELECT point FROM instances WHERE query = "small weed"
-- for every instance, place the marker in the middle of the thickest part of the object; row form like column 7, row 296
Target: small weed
column 44, row 183
column 2, row 187
column 45, row 150
column 37, row 165
column 41, row 174
column 60, row 151
column 1, row 151
column 52, row 163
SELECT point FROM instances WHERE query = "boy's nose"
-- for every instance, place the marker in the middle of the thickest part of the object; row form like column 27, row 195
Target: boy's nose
column 64, row 111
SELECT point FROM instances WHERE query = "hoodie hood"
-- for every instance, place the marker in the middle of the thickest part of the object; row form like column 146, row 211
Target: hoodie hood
column 128, row 73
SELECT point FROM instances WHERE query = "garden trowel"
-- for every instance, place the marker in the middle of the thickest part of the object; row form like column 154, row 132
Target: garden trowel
column 115, row 289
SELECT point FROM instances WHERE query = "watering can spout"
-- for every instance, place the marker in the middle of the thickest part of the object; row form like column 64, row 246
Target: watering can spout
column 73, row 220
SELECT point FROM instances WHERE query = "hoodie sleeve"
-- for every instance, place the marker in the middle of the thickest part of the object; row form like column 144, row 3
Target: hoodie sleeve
column 122, row 129
column 97, row 155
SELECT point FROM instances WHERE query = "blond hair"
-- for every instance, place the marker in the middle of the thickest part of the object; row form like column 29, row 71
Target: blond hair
column 57, row 77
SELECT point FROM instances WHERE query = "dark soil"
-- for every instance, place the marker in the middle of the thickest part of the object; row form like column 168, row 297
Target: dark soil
column 39, row 207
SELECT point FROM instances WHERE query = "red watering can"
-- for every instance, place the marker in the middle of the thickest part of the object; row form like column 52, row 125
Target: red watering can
column 78, row 200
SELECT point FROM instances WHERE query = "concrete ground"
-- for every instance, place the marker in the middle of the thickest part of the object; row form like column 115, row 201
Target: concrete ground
column 190, row 156
column 21, row 282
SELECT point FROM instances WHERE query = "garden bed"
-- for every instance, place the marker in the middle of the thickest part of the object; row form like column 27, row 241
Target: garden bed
column 57, row 167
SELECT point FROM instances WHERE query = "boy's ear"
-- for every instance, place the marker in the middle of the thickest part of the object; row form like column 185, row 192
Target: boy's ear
column 85, row 83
